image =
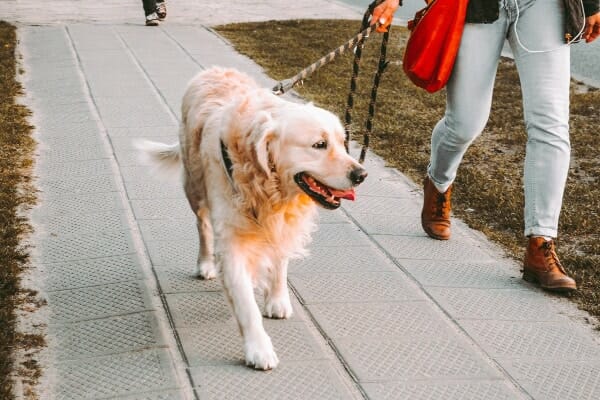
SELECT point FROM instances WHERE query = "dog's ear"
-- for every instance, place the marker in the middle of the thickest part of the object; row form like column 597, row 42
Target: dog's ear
column 263, row 132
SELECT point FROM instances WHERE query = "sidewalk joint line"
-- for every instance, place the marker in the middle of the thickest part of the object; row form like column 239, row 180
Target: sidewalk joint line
column 439, row 306
column 137, row 239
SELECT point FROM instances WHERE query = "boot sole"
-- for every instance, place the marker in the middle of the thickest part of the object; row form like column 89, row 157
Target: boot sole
column 531, row 278
column 433, row 235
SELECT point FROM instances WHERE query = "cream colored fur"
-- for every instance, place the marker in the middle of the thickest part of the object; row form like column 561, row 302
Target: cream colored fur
column 252, row 225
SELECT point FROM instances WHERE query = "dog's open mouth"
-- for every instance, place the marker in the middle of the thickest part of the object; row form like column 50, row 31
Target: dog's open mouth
column 326, row 196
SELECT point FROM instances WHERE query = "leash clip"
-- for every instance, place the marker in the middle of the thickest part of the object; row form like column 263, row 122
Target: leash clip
column 283, row 86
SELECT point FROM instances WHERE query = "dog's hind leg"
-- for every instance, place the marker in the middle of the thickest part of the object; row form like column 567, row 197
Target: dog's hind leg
column 206, row 268
column 277, row 296
column 258, row 349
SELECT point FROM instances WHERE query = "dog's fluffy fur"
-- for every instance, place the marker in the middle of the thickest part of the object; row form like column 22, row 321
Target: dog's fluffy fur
column 286, row 158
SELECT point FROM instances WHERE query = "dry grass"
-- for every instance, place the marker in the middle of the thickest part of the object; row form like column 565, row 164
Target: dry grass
column 488, row 192
column 16, row 194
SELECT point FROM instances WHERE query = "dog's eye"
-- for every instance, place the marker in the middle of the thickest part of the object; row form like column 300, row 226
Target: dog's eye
column 321, row 144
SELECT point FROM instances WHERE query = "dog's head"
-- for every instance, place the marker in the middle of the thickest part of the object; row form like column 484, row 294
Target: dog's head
column 304, row 145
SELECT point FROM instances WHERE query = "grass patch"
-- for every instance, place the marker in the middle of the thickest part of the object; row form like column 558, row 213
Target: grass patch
column 16, row 194
column 488, row 194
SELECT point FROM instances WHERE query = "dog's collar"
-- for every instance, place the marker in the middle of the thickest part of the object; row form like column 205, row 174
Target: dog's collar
column 227, row 164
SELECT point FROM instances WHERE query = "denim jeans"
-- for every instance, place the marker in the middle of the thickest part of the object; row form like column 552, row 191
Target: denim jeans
column 544, row 72
column 149, row 6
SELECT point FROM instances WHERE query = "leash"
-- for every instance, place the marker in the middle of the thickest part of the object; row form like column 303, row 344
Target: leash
column 357, row 42
column 287, row 84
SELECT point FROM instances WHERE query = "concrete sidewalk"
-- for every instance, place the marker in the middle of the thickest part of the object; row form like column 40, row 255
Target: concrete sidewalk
column 381, row 311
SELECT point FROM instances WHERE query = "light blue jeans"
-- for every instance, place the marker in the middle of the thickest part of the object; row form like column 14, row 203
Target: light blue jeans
column 544, row 72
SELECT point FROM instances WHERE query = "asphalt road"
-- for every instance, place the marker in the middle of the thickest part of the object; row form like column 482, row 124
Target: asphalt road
column 585, row 58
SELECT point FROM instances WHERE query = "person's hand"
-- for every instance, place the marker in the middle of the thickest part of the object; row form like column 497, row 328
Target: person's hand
column 592, row 28
column 384, row 13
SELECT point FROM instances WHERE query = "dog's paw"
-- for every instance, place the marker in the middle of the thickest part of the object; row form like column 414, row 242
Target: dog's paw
column 206, row 270
column 278, row 307
column 260, row 354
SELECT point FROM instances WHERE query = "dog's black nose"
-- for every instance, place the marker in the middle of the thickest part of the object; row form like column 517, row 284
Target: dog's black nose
column 357, row 175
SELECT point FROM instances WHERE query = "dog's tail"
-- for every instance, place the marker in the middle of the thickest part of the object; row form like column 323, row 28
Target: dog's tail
column 164, row 158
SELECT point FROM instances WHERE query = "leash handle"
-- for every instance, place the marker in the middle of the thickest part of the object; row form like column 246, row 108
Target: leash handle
column 287, row 84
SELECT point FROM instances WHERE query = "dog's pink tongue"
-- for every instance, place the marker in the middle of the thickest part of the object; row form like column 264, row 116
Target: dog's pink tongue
column 344, row 194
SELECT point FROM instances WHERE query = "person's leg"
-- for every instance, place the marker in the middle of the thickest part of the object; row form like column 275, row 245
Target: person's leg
column 468, row 102
column 149, row 6
column 152, row 17
column 544, row 69
column 468, row 98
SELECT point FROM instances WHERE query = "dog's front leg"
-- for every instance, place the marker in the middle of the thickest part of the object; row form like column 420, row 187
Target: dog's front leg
column 258, row 348
column 277, row 296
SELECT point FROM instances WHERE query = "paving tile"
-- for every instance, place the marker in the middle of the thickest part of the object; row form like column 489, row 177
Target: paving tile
column 167, row 130
column 183, row 278
column 53, row 143
column 156, row 395
column 79, row 153
column 399, row 357
column 98, row 302
column 72, row 113
column 106, row 336
column 339, row 235
column 111, row 376
column 557, row 380
column 332, row 217
column 194, row 309
column 69, row 132
column 63, row 225
column 483, row 274
column 173, row 252
column 130, row 143
column 300, row 380
column 66, row 114
column 91, row 272
column 534, row 340
column 442, row 390
column 386, row 185
column 77, row 169
column 377, row 320
column 162, row 209
column 215, row 344
column 74, row 247
column 380, row 224
column 424, row 248
column 377, row 205
column 496, row 304
column 356, row 287
column 347, row 259
column 154, row 189
column 170, row 229
column 80, row 204
column 70, row 185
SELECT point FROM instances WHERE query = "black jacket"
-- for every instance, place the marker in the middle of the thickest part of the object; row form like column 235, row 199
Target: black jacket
column 487, row 11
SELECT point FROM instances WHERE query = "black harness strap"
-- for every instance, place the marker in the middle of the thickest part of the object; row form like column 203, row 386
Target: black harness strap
column 227, row 163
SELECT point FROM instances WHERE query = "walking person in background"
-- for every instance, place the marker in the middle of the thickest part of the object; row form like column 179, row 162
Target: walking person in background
column 538, row 32
column 154, row 11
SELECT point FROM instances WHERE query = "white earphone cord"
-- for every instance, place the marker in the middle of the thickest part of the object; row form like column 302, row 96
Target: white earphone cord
column 577, row 37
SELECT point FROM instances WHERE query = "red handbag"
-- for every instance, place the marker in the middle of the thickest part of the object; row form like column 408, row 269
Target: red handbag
column 433, row 44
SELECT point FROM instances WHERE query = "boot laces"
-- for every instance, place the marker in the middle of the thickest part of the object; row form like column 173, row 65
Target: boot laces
column 442, row 206
column 551, row 256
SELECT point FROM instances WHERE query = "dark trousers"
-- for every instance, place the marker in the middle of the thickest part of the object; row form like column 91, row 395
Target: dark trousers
column 149, row 6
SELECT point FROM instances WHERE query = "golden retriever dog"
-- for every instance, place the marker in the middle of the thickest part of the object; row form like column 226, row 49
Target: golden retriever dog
column 255, row 167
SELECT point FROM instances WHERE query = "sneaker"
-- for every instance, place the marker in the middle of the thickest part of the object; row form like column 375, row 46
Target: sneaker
column 161, row 9
column 152, row 19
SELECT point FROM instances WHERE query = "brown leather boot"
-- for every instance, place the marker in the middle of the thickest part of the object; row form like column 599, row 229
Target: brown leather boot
column 542, row 266
column 435, row 216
